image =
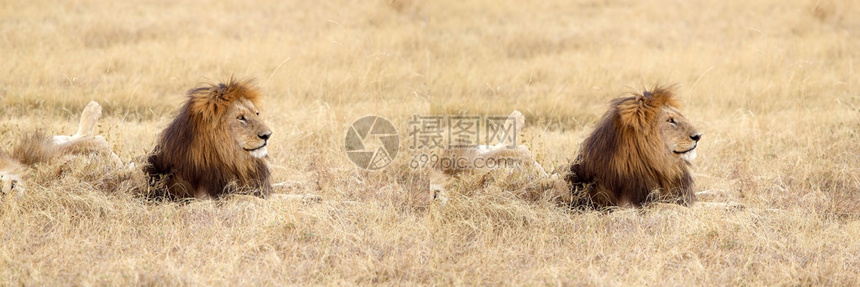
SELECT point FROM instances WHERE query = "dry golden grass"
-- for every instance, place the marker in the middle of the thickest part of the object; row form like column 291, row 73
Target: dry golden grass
column 772, row 84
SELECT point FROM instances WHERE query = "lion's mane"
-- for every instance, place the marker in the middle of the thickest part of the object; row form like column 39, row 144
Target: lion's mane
column 197, row 148
column 624, row 160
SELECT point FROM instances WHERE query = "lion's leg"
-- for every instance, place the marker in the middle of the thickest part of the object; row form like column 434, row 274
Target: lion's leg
column 519, row 118
column 85, row 141
column 96, row 145
column 89, row 119
column 80, row 146
column 520, row 153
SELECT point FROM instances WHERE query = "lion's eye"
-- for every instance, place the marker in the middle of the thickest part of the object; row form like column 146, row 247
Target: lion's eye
column 671, row 121
column 258, row 113
column 241, row 118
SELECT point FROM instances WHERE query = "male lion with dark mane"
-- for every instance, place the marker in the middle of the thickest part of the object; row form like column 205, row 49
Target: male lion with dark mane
column 640, row 152
column 215, row 146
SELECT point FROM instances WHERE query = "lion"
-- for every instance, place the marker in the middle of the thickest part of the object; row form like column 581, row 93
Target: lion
column 216, row 145
column 38, row 148
column 639, row 152
column 505, row 157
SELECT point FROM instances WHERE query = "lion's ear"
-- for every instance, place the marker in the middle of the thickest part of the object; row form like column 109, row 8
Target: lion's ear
column 635, row 112
column 653, row 98
column 233, row 90
column 221, row 92
column 660, row 95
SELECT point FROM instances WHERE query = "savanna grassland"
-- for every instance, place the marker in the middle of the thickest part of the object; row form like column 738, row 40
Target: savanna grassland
column 773, row 85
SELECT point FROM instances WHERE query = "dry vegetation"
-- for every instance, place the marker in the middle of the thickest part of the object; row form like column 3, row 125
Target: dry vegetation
column 772, row 84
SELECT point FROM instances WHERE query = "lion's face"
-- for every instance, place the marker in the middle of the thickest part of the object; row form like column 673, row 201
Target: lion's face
column 10, row 179
column 679, row 136
column 247, row 128
column 9, row 182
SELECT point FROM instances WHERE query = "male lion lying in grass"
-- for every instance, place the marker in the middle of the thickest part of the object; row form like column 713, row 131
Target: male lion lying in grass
column 639, row 153
column 216, row 146
column 37, row 148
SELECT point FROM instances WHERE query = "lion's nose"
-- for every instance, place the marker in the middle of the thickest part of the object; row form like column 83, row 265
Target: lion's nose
column 265, row 136
column 696, row 137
